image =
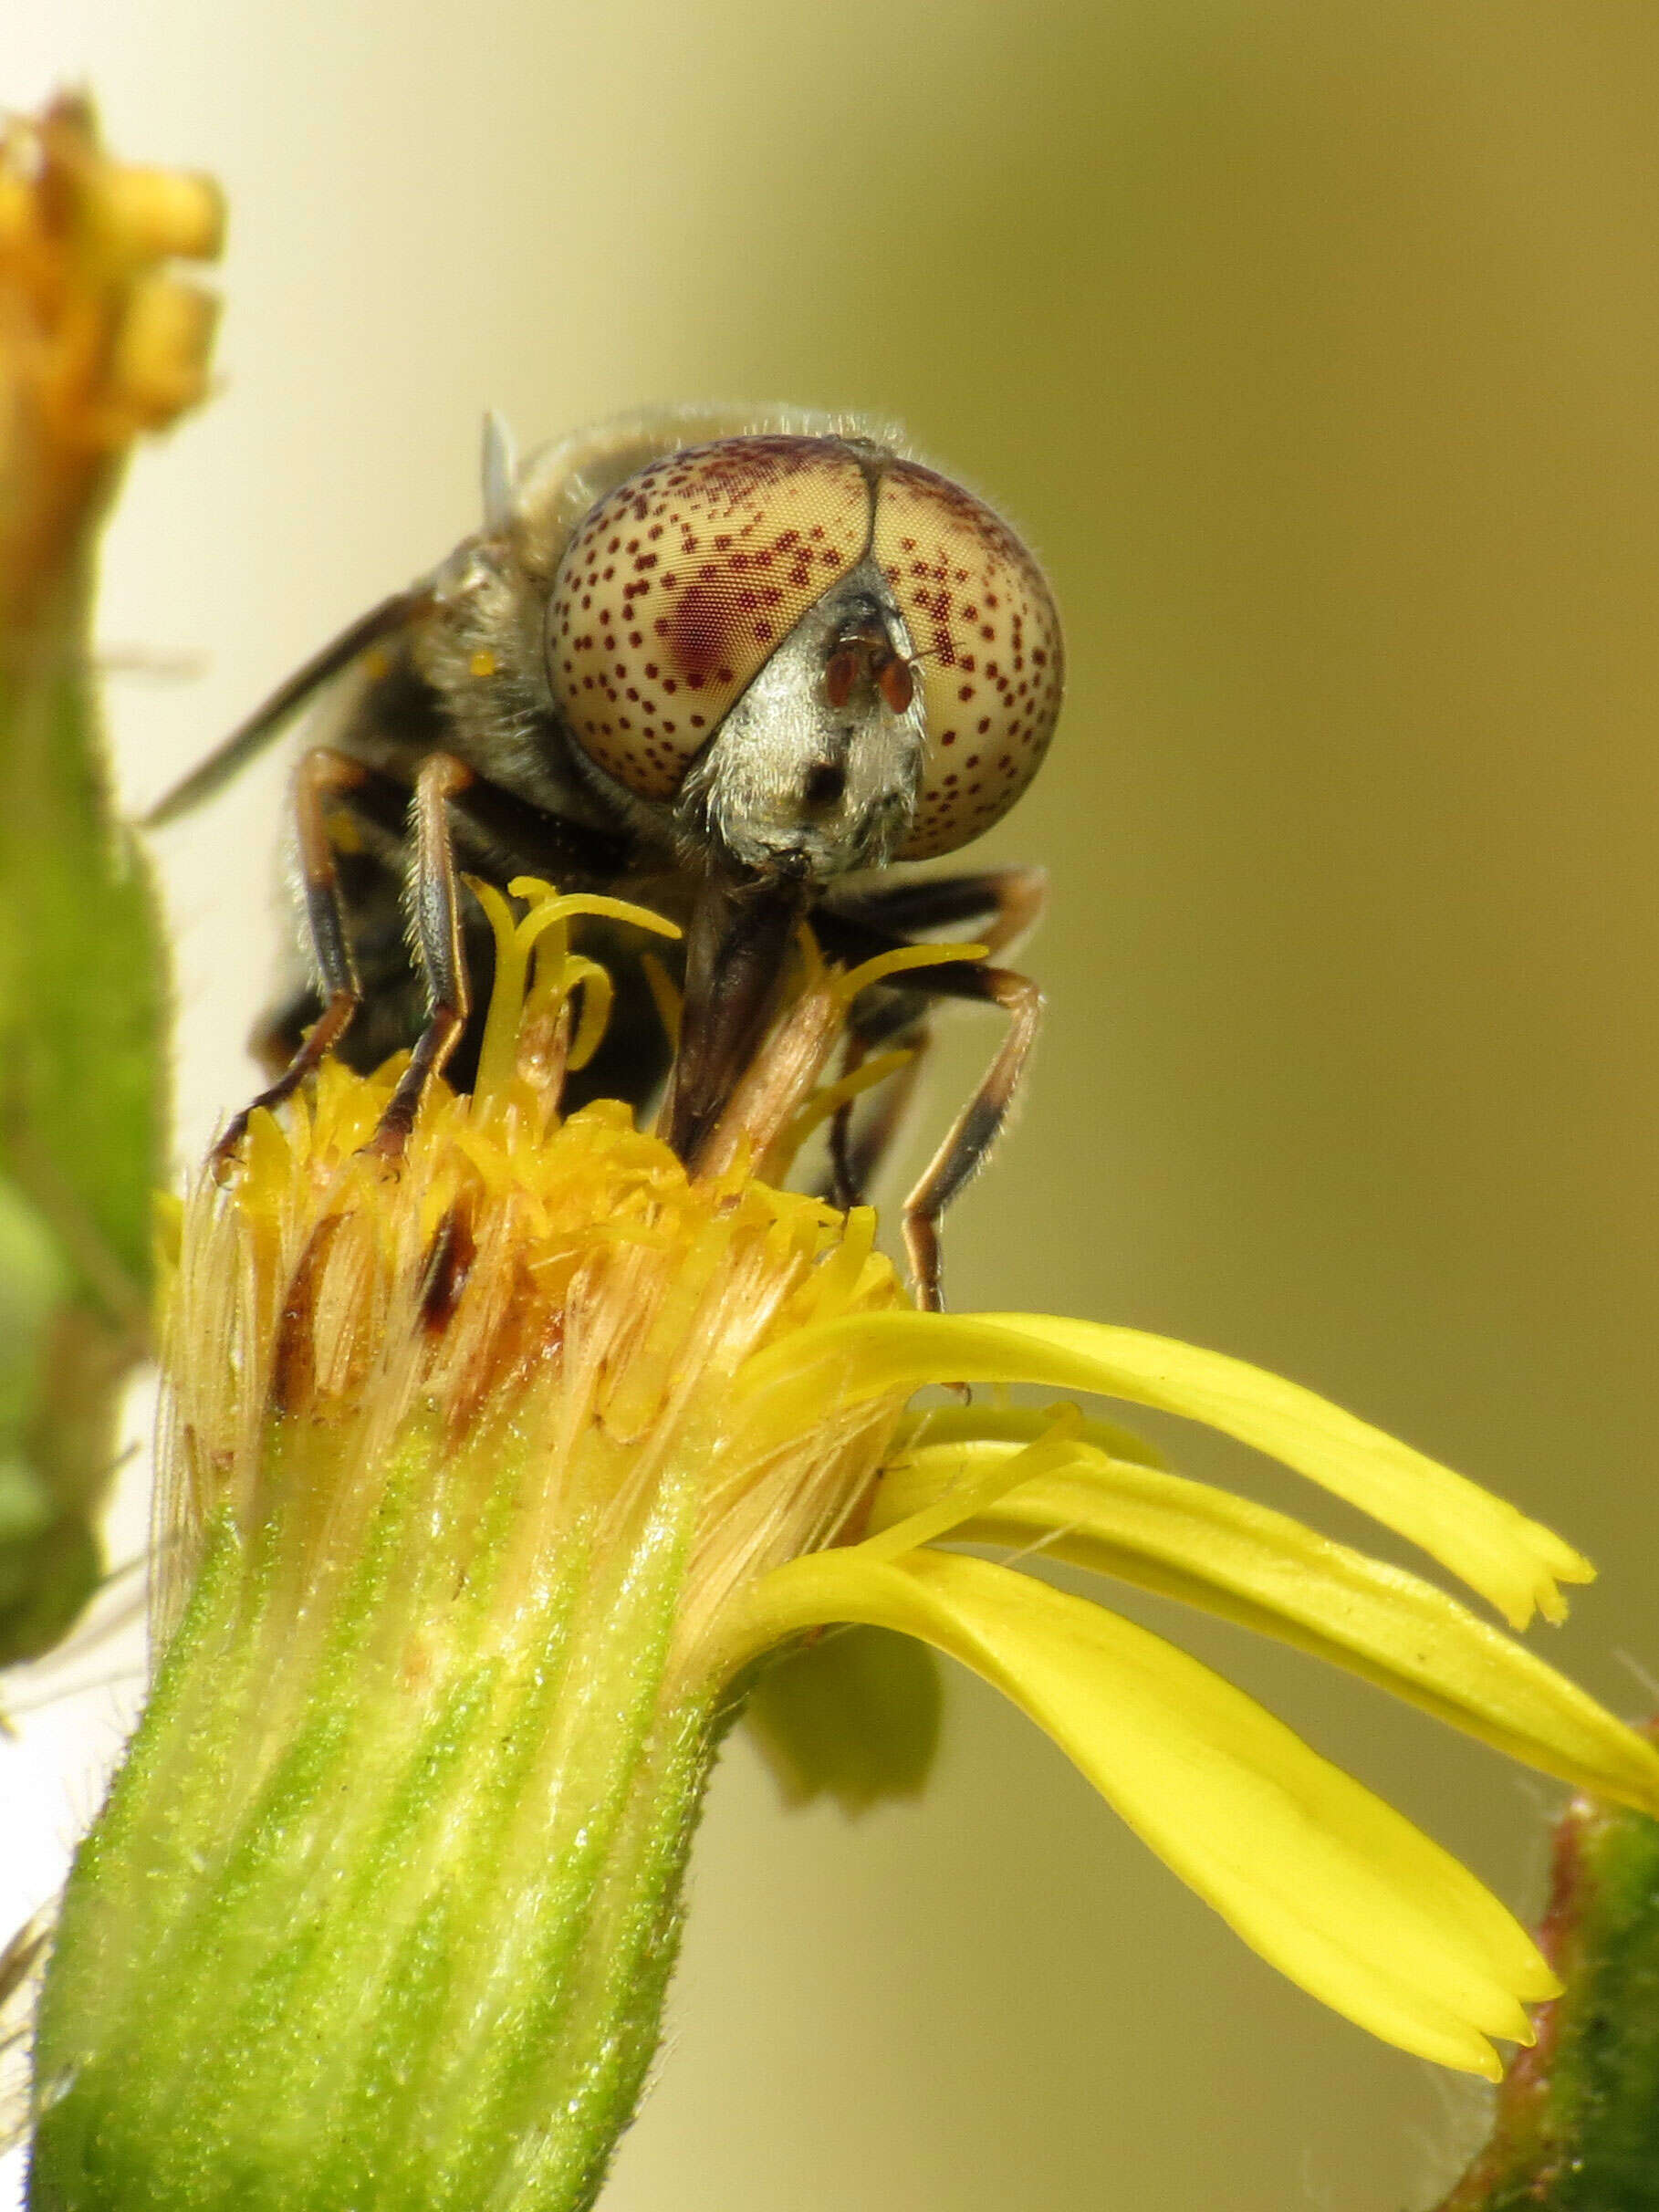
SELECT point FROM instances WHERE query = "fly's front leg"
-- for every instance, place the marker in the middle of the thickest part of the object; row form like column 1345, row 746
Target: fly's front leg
column 856, row 1156
column 322, row 774
column 968, row 1143
column 999, row 906
column 434, row 894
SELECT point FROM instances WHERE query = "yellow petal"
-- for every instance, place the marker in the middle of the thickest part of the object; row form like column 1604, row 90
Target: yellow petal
column 1016, row 1424
column 1266, row 1572
column 1509, row 1559
column 1329, row 1885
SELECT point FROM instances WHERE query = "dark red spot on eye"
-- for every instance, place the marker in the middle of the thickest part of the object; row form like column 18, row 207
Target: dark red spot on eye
column 700, row 632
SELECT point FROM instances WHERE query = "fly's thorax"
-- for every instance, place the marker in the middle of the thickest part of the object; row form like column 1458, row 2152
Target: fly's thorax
column 480, row 649
column 816, row 768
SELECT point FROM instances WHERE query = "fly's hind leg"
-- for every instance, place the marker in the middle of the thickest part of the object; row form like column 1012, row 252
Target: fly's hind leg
column 322, row 774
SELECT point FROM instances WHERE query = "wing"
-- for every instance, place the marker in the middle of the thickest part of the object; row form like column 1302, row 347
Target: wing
column 268, row 721
column 21, row 1963
column 531, row 508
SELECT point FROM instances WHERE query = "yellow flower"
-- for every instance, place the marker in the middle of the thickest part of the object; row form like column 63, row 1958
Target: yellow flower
column 98, row 340
column 493, row 1477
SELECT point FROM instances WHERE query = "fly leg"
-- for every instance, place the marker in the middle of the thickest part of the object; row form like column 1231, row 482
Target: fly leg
column 322, row 774
column 968, row 1142
column 1002, row 905
column 434, row 896
column 999, row 906
column 856, row 1154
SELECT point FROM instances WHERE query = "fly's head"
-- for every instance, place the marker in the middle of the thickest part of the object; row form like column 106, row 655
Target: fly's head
column 795, row 656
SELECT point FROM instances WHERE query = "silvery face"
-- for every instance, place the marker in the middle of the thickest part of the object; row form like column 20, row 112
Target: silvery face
column 808, row 776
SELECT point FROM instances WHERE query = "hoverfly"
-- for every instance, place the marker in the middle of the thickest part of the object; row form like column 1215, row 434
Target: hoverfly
column 737, row 664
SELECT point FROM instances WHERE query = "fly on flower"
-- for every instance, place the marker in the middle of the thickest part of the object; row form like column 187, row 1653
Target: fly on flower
column 493, row 1476
column 509, row 1444
column 731, row 663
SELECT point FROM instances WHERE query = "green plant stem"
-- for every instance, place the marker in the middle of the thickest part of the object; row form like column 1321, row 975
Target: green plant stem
column 382, row 1907
column 83, row 998
column 1577, row 2122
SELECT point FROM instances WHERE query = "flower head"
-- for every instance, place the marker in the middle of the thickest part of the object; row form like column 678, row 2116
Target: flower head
column 493, row 1477
column 98, row 340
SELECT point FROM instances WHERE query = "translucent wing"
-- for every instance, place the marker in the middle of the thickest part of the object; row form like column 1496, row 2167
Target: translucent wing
column 268, row 721
column 21, row 1963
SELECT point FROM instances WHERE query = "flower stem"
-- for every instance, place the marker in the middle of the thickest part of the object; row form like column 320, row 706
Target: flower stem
column 1577, row 2122
column 98, row 343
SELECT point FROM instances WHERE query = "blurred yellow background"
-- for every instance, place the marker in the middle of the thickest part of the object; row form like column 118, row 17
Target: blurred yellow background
column 1314, row 347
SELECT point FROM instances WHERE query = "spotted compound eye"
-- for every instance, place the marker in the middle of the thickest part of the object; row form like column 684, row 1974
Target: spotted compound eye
column 987, row 641
column 678, row 586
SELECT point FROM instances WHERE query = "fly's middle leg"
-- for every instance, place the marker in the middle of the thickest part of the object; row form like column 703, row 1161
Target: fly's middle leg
column 322, row 774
